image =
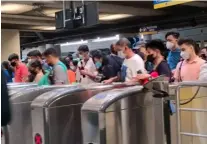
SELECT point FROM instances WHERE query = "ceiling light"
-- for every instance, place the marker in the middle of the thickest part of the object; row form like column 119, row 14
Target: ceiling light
column 50, row 12
column 113, row 17
column 11, row 8
column 116, row 37
column 51, row 28
column 74, row 43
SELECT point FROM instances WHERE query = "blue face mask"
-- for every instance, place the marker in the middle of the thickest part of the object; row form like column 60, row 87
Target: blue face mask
column 98, row 65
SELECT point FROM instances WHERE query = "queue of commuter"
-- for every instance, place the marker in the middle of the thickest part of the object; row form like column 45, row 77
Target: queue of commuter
column 178, row 60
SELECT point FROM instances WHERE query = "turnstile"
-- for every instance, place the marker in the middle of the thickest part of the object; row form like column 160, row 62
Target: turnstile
column 56, row 117
column 20, row 128
column 13, row 89
column 16, row 87
column 123, row 116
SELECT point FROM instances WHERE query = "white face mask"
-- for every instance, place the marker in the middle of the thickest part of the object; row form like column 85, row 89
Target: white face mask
column 72, row 67
column 185, row 55
column 29, row 60
column 121, row 54
column 169, row 45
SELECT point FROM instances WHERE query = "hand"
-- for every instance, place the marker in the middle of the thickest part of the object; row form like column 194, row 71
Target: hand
column 83, row 72
column 141, row 77
column 109, row 81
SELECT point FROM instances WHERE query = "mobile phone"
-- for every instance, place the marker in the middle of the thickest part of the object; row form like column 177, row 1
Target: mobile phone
column 139, row 72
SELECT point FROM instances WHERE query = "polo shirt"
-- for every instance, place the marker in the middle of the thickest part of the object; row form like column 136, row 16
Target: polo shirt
column 21, row 73
column 188, row 71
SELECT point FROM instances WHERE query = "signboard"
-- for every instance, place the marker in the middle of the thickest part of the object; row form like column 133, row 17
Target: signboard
column 165, row 3
column 148, row 30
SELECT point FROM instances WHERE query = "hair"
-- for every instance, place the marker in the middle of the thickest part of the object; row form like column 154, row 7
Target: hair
column 83, row 48
column 159, row 45
column 6, row 65
column 112, row 49
column 75, row 62
column 98, row 54
column 123, row 41
column 50, row 51
column 35, row 64
column 174, row 34
column 190, row 42
column 13, row 56
column 35, row 53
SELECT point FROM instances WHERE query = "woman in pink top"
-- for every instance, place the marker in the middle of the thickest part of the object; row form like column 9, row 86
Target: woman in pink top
column 189, row 68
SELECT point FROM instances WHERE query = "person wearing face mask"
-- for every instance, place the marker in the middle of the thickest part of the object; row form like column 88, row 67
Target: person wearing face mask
column 40, row 76
column 36, row 55
column 156, row 50
column 102, row 63
column 86, row 66
column 132, row 62
column 189, row 68
column 71, row 70
column 173, row 57
column 59, row 70
column 20, row 69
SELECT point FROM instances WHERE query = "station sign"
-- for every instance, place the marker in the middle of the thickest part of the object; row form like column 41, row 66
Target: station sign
column 165, row 3
column 148, row 30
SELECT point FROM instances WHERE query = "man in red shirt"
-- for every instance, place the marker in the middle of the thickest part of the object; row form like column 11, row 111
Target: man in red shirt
column 20, row 69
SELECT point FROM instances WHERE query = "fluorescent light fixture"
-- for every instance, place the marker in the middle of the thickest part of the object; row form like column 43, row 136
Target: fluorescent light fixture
column 74, row 43
column 49, row 28
column 106, row 17
column 116, row 37
column 12, row 8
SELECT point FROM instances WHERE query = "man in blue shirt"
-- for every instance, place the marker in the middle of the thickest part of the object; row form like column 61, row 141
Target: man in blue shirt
column 174, row 51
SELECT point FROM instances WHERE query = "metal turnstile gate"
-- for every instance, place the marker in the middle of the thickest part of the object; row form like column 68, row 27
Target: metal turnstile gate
column 20, row 128
column 56, row 117
column 192, row 113
column 123, row 116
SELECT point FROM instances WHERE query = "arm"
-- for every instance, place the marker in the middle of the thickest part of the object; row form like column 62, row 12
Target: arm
column 177, row 73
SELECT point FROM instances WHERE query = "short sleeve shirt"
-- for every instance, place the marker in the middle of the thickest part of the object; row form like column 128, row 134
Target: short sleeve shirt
column 164, row 69
column 90, row 67
column 60, row 74
column 188, row 71
column 21, row 73
column 131, row 66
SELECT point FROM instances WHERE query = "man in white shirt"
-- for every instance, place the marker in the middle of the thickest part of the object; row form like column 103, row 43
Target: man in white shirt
column 86, row 66
column 132, row 64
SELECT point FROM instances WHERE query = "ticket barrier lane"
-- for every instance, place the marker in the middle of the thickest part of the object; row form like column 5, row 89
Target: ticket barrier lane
column 129, row 116
column 192, row 113
column 20, row 128
column 14, row 88
column 56, row 115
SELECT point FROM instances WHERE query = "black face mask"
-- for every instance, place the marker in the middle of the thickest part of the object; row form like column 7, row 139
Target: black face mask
column 13, row 64
column 150, row 58
column 50, row 64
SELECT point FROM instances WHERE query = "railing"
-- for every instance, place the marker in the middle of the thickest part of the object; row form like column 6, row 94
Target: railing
column 191, row 125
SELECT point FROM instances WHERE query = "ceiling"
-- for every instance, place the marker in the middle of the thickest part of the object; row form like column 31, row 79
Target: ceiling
column 36, row 19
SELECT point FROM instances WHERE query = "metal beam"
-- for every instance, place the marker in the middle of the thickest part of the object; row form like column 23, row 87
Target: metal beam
column 26, row 22
column 40, row 35
column 27, row 17
column 196, row 4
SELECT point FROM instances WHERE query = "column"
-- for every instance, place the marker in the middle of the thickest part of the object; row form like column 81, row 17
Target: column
column 10, row 43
